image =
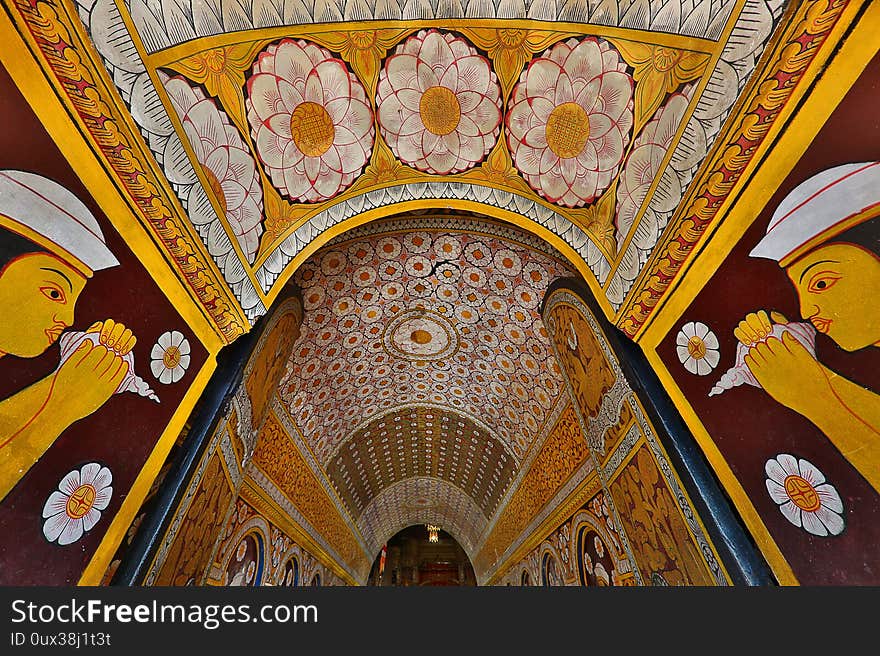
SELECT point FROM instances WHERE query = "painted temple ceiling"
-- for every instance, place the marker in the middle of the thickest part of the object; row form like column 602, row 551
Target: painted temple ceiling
column 277, row 124
column 423, row 356
column 423, row 170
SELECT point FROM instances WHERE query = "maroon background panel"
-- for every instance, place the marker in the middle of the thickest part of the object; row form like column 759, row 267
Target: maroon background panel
column 120, row 434
column 748, row 426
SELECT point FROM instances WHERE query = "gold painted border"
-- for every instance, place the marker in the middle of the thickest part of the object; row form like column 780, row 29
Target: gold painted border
column 55, row 39
column 105, row 551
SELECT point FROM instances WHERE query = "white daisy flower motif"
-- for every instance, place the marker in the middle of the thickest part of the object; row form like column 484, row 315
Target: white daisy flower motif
column 170, row 357
column 226, row 162
column 803, row 496
column 310, row 118
column 697, row 348
column 439, row 103
column 570, row 119
column 76, row 506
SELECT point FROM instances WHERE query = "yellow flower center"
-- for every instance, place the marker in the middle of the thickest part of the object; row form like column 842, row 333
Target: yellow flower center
column 171, row 358
column 696, row 348
column 665, row 58
column 215, row 186
column 439, row 110
column 81, row 501
column 215, row 59
column 568, row 129
column 802, row 493
column 312, row 129
column 421, row 336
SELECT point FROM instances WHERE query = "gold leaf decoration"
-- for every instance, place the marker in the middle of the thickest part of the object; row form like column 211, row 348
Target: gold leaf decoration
column 658, row 71
column 221, row 71
column 363, row 49
column 498, row 169
column 597, row 220
column 510, row 49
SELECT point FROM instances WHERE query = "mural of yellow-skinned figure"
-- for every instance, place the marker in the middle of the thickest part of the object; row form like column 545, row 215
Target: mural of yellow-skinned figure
column 50, row 246
column 777, row 354
column 95, row 358
column 826, row 236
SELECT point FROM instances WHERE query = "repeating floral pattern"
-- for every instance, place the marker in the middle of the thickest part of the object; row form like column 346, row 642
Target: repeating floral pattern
column 642, row 167
column 486, row 289
column 226, row 162
column 436, row 443
column 310, row 118
column 570, row 120
column 168, row 22
column 439, row 103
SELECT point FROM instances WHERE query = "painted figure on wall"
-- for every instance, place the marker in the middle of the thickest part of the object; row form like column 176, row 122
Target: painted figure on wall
column 826, row 235
column 583, row 359
column 50, row 246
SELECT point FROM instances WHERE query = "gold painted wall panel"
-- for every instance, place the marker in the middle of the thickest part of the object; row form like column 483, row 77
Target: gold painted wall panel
column 661, row 532
column 188, row 558
column 663, row 547
column 278, row 457
column 562, row 453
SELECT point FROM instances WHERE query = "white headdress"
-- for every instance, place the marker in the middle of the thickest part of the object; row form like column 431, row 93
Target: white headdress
column 52, row 217
column 820, row 208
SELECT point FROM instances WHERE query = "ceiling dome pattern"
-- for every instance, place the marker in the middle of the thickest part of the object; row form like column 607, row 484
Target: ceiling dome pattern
column 423, row 500
column 432, row 317
column 421, row 442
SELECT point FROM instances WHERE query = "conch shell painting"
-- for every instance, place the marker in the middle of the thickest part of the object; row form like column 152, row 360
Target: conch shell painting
column 740, row 374
column 131, row 383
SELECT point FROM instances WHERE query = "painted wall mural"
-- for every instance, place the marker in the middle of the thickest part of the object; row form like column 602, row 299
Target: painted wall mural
column 561, row 455
column 586, row 550
column 295, row 486
column 790, row 353
column 95, row 360
column 660, row 529
column 254, row 551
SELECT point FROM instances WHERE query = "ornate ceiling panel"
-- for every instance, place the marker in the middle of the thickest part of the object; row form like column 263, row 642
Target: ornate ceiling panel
column 421, row 442
column 276, row 121
column 422, row 354
column 422, row 500
column 431, row 318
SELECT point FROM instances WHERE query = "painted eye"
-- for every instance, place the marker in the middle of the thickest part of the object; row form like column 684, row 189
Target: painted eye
column 823, row 281
column 53, row 294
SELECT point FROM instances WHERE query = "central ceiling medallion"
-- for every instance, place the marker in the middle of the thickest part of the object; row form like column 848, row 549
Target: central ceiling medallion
column 420, row 335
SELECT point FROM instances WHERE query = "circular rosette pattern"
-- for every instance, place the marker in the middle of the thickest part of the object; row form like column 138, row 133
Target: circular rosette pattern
column 439, row 103
column 75, row 507
column 570, row 120
column 310, row 120
column 226, row 163
column 803, row 495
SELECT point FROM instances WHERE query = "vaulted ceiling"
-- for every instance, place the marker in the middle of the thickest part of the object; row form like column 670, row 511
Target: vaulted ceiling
column 423, row 356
